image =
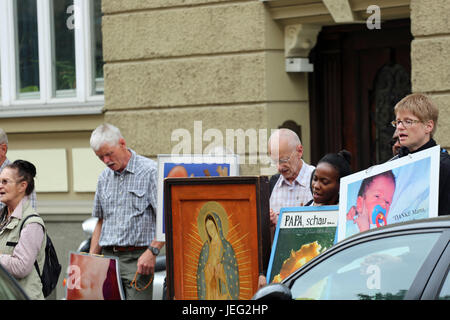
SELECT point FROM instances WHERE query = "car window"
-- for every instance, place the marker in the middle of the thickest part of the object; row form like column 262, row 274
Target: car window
column 445, row 291
column 381, row 269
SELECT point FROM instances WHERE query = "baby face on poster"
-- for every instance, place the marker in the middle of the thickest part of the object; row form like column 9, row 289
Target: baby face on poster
column 373, row 201
column 397, row 191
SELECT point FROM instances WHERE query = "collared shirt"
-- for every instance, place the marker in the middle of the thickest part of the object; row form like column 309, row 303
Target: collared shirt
column 21, row 262
column 126, row 201
column 295, row 194
column 32, row 195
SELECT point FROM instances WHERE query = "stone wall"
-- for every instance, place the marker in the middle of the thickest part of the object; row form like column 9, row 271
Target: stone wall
column 430, row 58
column 170, row 63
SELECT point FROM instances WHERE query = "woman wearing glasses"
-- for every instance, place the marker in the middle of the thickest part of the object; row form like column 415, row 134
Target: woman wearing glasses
column 21, row 246
column 415, row 121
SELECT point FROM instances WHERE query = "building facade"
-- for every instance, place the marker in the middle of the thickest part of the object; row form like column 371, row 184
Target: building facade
column 330, row 69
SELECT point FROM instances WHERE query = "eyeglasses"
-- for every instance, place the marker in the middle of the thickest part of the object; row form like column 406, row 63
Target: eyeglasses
column 281, row 161
column 5, row 181
column 406, row 123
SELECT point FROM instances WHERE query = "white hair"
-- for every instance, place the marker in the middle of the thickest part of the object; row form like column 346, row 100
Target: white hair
column 3, row 137
column 105, row 133
column 284, row 134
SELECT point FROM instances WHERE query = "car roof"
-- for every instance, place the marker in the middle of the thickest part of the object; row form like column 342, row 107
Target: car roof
column 430, row 223
column 438, row 223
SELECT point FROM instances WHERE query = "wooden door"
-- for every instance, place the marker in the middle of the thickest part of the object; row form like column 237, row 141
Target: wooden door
column 359, row 75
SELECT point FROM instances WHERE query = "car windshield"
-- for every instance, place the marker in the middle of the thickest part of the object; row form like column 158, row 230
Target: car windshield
column 381, row 269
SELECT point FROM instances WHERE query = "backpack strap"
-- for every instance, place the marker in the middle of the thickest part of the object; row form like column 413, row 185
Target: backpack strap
column 21, row 227
column 26, row 218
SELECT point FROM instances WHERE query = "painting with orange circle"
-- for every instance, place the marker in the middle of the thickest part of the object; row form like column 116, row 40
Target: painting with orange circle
column 219, row 238
column 170, row 166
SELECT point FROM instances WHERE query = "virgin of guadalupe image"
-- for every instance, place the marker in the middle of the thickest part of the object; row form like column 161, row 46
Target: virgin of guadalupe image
column 217, row 272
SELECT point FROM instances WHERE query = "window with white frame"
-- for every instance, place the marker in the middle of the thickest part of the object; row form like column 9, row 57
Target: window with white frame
column 51, row 60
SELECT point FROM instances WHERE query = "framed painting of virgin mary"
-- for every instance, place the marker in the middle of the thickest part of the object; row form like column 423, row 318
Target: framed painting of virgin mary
column 217, row 236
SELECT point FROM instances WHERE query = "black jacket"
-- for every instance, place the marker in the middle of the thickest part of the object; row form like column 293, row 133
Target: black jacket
column 273, row 181
column 444, row 175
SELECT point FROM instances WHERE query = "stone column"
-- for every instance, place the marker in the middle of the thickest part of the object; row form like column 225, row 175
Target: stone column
column 430, row 58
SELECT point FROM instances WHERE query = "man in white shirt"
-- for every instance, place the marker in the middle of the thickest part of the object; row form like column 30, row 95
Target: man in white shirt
column 292, row 187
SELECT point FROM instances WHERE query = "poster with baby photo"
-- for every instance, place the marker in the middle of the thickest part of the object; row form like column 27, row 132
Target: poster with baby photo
column 396, row 191
column 93, row 277
column 302, row 234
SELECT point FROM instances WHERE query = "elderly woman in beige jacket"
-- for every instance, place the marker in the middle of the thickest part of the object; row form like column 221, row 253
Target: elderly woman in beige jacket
column 20, row 249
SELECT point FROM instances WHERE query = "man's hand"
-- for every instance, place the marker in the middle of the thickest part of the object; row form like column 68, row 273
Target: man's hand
column 146, row 263
column 262, row 281
column 274, row 217
column 95, row 248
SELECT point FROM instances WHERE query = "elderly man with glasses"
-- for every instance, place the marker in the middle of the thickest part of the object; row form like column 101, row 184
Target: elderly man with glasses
column 291, row 186
column 415, row 121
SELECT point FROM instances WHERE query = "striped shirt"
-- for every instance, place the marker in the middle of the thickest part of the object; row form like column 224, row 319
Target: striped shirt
column 32, row 196
column 295, row 194
column 126, row 201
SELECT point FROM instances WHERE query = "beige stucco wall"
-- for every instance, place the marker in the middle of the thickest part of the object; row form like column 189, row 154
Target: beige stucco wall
column 430, row 58
column 34, row 138
column 50, row 143
column 170, row 63
column 173, row 63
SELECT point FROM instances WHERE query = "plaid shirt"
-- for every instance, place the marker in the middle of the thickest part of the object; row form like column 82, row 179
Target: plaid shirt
column 295, row 194
column 32, row 196
column 126, row 201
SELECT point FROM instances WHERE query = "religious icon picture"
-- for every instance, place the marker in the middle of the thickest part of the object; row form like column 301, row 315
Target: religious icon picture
column 217, row 237
column 217, row 269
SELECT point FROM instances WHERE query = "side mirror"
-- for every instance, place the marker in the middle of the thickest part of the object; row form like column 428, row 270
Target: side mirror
column 273, row 291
